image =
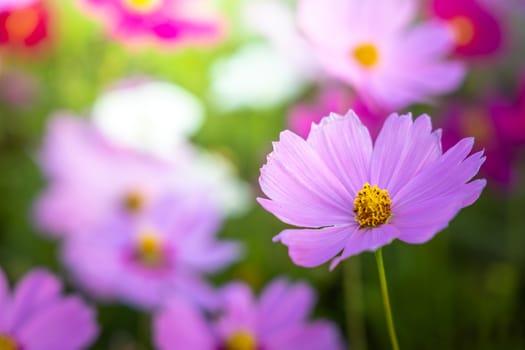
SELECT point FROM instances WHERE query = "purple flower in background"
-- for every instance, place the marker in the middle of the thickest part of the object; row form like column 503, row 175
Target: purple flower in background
column 498, row 127
column 477, row 30
column 143, row 262
column 170, row 22
column 352, row 196
column 91, row 180
column 332, row 99
column 35, row 316
column 372, row 46
column 277, row 321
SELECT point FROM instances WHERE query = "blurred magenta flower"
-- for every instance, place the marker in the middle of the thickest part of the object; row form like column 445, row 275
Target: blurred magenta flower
column 35, row 316
column 24, row 26
column 277, row 321
column 91, row 180
column 14, row 4
column 372, row 46
column 499, row 129
column 332, row 99
column 477, row 30
column 353, row 196
column 142, row 263
column 170, row 22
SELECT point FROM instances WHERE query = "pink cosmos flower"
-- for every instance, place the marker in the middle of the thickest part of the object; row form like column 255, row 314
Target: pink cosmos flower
column 91, row 180
column 35, row 316
column 477, row 30
column 277, row 321
column 336, row 99
column 372, row 46
column 166, row 21
column 144, row 262
column 351, row 195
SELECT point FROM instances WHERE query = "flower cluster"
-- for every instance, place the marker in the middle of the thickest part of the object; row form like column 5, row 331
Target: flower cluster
column 276, row 321
column 130, row 212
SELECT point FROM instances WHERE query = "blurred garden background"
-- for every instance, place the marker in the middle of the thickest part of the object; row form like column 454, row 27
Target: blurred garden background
column 238, row 89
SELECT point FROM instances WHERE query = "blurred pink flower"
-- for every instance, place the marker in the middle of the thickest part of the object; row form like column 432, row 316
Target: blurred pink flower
column 476, row 29
column 332, row 99
column 91, row 180
column 498, row 127
column 142, row 263
column 277, row 321
column 35, row 316
column 169, row 22
column 372, row 46
column 352, row 196
column 14, row 4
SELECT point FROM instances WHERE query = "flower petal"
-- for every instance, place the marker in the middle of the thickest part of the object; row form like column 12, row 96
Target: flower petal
column 239, row 310
column 313, row 247
column 431, row 199
column 33, row 292
column 295, row 176
column 180, row 325
column 363, row 240
column 67, row 324
column 345, row 145
column 318, row 335
column 283, row 305
column 403, row 148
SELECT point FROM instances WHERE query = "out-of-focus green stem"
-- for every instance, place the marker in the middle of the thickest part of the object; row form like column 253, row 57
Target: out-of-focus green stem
column 353, row 304
column 386, row 300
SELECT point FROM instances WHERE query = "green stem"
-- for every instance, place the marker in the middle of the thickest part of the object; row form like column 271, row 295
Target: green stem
column 352, row 282
column 386, row 300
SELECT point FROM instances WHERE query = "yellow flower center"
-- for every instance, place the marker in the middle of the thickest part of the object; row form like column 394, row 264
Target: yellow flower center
column 149, row 249
column 463, row 30
column 366, row 54
column 134, row 202
column 142, row 6
column 241, row 340
column 7, row 343
column 372, row 206
column 21, row 23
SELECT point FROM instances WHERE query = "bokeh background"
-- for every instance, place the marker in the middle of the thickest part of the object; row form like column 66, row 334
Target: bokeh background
column 465, row 289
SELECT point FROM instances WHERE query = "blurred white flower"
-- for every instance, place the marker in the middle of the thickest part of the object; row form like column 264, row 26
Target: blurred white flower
column 274, row 21
column 149, row 116
column 256, row 76
column 217, row 174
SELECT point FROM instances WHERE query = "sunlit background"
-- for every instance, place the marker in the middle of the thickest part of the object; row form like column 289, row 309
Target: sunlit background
column 121, row 118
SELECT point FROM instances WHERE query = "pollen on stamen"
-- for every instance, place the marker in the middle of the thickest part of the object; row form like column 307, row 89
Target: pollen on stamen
column 366, row 54
column 134, row 202
column 242, row 340
column 142, row 6
column 372, row 206
column 150, row 250
column 6, row 343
